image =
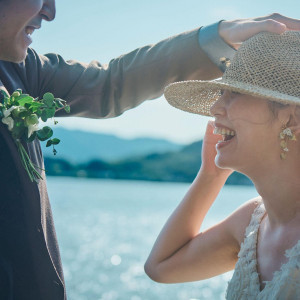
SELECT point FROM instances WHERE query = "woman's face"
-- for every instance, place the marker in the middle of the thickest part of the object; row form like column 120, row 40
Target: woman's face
column 251, row 133
column 18, row 20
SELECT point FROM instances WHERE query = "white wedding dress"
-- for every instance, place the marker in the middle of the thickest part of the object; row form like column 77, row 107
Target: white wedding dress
column 245, row 285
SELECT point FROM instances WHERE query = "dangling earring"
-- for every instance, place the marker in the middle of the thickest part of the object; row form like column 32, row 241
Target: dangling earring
column 285, row 135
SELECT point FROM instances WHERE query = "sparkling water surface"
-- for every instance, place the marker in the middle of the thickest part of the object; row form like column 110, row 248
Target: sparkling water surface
column 106, row 229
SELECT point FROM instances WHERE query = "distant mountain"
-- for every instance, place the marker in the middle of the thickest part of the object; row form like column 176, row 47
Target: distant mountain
column 81, row 146
column 175, row 166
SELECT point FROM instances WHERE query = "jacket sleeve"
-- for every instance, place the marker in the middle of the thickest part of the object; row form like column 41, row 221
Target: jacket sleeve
column 102, row 91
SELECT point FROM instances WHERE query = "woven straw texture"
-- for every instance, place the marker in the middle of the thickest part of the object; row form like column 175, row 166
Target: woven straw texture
column 267, row 65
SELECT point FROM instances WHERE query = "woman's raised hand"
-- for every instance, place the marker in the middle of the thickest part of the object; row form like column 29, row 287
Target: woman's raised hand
column 237, row 31
column 208, row 166
column 180, row 253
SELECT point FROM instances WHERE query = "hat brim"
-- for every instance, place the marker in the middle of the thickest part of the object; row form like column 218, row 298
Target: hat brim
column 197, row 96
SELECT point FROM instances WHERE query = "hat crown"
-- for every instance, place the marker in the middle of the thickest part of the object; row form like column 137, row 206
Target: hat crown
column 265, row 66
column 269, row 61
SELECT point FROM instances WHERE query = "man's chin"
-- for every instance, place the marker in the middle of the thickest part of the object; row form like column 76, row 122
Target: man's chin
column 13, row 56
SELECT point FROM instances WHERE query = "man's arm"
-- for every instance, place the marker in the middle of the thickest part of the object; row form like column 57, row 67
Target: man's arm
column 101, row 91
column 214, row 46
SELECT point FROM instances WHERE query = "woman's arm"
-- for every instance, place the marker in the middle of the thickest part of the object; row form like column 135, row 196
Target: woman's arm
column 181, row 253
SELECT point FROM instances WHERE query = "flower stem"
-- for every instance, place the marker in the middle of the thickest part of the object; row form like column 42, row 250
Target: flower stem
column 33, row 174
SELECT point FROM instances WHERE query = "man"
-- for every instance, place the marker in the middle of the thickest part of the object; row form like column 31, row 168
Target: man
column 30, row 266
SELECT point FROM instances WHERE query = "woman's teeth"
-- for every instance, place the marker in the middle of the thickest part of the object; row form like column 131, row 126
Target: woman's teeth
column 224, row 131
column 227, row 134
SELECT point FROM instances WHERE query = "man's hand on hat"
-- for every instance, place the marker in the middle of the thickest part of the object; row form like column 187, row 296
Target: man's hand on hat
column 237, row 31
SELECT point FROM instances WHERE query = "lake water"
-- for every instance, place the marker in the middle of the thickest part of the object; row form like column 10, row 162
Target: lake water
column 106, row 229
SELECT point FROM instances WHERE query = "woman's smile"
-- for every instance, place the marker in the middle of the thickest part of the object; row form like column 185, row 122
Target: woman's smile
column 244, row 122
column 227, row 134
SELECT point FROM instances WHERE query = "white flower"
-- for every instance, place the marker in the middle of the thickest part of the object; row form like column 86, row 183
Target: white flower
column 9, row 122
column 32, row 129
column 6, row 112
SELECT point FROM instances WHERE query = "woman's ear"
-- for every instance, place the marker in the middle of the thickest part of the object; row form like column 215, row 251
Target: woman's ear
column 295, row 120
column 287, row 115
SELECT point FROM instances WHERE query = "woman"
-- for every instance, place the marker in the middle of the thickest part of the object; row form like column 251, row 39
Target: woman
column 256, row 106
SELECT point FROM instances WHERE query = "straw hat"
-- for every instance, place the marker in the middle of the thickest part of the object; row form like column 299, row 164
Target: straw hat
column 266, row 65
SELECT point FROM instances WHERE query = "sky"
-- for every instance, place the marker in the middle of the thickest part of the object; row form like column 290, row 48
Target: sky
column 102, row 30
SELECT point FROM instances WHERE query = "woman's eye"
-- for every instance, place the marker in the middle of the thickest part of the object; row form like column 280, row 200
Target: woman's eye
column 235, row 93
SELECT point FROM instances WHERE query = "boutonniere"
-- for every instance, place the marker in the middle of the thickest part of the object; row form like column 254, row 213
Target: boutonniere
column 21, row 113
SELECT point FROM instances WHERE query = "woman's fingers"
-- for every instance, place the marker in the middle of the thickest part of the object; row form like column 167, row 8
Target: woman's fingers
column 210, row 127
column 210, row 137
column 209, row 152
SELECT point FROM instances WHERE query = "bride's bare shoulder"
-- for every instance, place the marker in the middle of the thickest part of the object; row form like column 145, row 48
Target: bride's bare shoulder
column 241, row 218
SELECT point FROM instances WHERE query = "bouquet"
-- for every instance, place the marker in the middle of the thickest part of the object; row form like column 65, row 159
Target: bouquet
column 21, row 113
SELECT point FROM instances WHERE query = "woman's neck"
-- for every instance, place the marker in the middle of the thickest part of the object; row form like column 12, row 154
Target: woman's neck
column 280, row 191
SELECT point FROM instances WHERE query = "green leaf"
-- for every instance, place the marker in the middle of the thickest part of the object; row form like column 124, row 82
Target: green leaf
column 39, row 112
column 48, row 103
column 17, row 111
column 23, row 99
column 18, row 131
column 61, row 100
column 49, row 143
column 67, row 108
column 58, row 103
column 41, row 135
column 35, row 105
column 6, row 97
column 48, row 96
column 23, row 114
column 31, row 119
column 50, row 112
column 26, row 105
column 48, row 99
column 44, row 115
column 55, row 141
column 48, row 131
column 45, row 133
column 16, row 94
column 33, row 109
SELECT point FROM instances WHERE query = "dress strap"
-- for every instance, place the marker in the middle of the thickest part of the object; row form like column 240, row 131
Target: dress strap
column 249, row 243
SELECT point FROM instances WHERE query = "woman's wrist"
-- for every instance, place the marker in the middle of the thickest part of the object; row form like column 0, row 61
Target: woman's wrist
column 214, row 176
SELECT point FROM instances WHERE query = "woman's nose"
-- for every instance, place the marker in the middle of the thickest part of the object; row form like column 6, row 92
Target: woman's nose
column 218, row 107
column 48, row 10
